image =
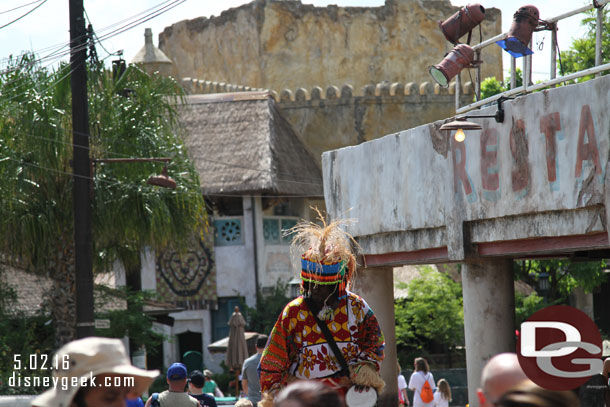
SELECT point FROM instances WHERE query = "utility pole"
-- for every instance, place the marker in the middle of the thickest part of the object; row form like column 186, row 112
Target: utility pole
column 81, row 172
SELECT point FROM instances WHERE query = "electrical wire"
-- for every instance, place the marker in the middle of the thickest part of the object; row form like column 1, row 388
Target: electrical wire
column 23, row 5
column 144, row 19
column 110, row 154
column 67, row 44
column 54, row 56
column 98, row 40
column 129, row 26
column 19, row 18
column 57, row 49
column 296, row 179
column 4, row 100
column 151, row 188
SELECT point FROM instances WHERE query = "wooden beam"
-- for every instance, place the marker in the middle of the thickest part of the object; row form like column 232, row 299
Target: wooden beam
column 426, row 256
column 550, row 245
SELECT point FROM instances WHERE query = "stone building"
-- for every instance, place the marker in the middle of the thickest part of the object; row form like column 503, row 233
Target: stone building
column 325, row 78
column 286, row 44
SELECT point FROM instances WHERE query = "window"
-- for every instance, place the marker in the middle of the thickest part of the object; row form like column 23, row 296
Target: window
column 227, row 232
column 273, row 227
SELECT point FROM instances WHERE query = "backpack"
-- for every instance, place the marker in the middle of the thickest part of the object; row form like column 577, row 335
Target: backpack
column 155, row 400
column 426, row 392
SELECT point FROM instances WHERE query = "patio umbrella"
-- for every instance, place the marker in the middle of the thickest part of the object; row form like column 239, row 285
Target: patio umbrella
column 237, row 350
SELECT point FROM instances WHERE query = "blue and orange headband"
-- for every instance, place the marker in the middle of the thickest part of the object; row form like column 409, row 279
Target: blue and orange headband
column 325, row 273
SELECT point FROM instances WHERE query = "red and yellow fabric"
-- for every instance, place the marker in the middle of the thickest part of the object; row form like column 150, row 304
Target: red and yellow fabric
column 297, row 347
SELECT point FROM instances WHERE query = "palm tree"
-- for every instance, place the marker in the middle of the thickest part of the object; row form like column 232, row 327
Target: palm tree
column 132, row 116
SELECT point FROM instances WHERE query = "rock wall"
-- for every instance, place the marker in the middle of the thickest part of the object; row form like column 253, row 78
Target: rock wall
column 285, row 44
column 335, row 118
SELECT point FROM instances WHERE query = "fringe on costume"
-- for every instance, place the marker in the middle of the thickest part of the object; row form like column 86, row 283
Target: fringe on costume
column 267, row 400
column 364, row 374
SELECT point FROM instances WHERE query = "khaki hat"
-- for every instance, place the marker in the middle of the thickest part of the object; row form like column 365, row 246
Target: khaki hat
column 90, row 357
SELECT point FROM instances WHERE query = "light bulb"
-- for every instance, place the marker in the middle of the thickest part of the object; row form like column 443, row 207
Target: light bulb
column 459, row 135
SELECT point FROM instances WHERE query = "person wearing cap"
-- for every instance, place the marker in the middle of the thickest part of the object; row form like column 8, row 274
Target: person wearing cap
column 298, row 347
column 195, row 384
column 210, row 386
column 94, row 372
column 175, row 396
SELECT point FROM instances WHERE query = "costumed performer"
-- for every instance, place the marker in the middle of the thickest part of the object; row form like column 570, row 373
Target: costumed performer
column 297, row 347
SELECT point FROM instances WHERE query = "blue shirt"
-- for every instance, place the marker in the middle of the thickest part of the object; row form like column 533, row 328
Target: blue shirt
column 137, row 402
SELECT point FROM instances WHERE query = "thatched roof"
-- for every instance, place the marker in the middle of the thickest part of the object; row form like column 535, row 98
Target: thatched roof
column 31, row 291
column 242, row 145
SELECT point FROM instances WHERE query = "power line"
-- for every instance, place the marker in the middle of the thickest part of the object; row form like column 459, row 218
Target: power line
column 140, row 187
column 142, row 20
column 67, row 44
column 19, row 18
column 53, row 56
column 57, row 53
column 17, row 8
column 43, row 90
column 119, row 155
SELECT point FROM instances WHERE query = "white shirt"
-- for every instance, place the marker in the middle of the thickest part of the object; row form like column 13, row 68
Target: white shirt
column 402, row 383
column 439, row 400
column 416, row 382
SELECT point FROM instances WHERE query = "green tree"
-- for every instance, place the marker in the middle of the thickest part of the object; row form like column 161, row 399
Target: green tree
column 22, row 336
column 491, row 86
column 36, row 219
column 268, row 308
column 525, row 306
column 581, row 54
column 433, row 311
column 563, row 276
column 124, row 322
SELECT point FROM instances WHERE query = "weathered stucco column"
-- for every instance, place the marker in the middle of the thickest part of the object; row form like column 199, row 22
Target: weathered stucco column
column 489, row 315
column 376, row 286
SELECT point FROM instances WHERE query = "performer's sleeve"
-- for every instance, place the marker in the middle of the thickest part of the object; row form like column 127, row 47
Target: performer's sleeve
column 370, row 338
column 276, row 358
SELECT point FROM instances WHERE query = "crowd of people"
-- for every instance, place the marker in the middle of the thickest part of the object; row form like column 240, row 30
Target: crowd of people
column 101, row 375
column 325, row 349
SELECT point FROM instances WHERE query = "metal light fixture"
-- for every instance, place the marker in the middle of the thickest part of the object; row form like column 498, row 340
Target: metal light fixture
column 460, row 123
column 525, row 21
column 543, row 283
column 462, row 22
column 460, row 57
column 162, row 180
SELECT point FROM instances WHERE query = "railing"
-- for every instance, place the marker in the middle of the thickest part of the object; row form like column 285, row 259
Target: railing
column 527, row 63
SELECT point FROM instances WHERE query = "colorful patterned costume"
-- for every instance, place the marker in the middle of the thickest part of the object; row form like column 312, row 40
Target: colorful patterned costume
column 297, row 347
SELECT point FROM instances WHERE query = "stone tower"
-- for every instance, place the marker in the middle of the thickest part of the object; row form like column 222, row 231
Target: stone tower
column 151, row 58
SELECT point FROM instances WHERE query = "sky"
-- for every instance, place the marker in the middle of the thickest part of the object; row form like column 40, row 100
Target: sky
column 46, row 29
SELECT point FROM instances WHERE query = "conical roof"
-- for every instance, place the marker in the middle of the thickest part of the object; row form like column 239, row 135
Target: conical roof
column 149, row 53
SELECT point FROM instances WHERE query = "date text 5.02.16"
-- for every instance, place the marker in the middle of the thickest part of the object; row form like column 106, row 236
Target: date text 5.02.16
column 41, row 361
